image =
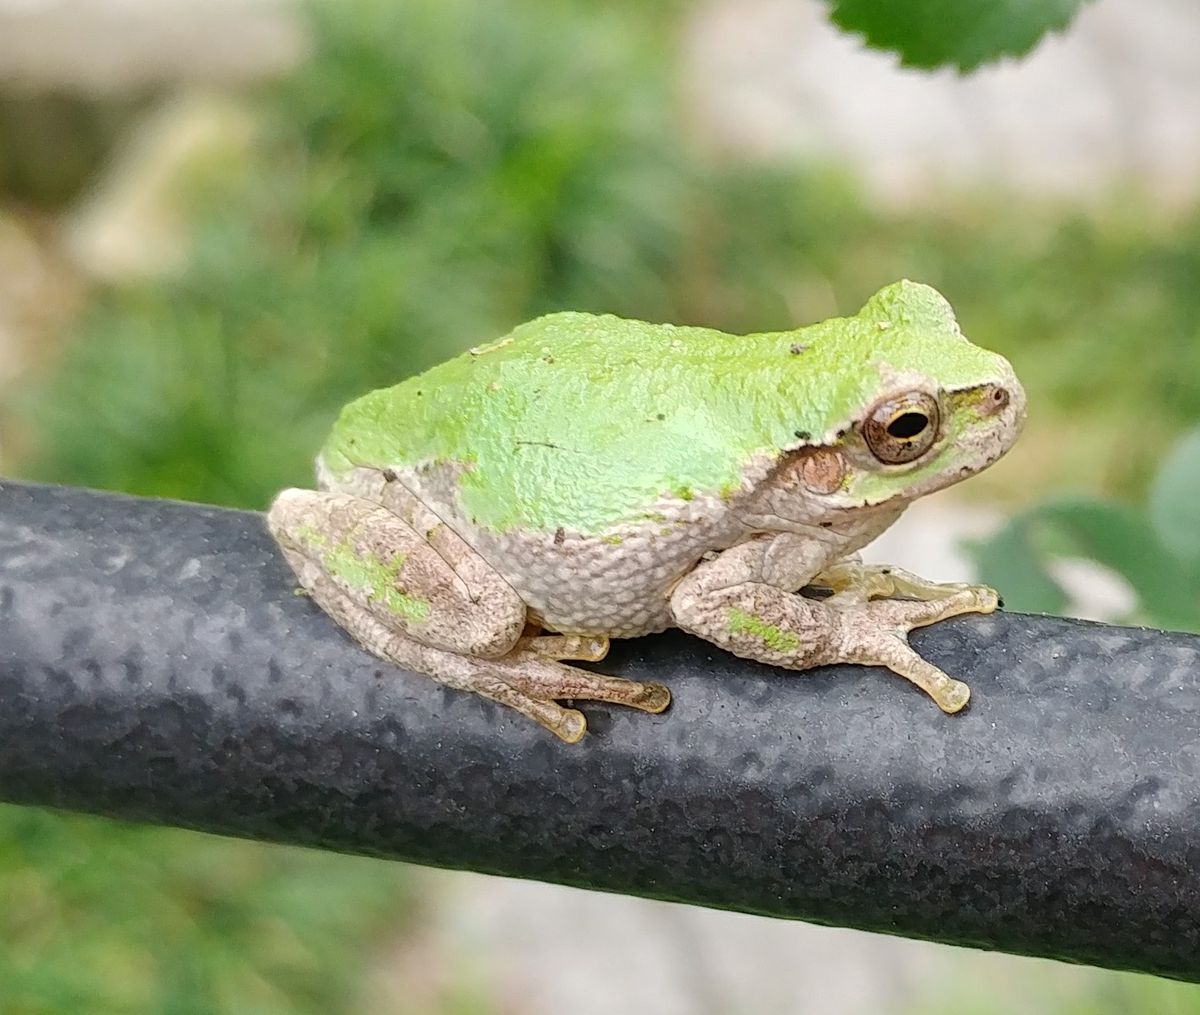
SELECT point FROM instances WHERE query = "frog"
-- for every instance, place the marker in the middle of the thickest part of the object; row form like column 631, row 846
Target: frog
column 507, row 513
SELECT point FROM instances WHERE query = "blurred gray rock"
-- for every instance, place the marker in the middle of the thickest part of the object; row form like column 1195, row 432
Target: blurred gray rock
column 99, row 47
column 538, row 949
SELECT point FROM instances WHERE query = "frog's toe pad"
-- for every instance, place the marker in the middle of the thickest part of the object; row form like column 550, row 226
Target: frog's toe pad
column 654, row 698
column 953, row 697
column 571, row 727
column 987, row 597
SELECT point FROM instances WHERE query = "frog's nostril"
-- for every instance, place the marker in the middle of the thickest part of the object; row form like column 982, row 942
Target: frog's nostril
column 996, row 400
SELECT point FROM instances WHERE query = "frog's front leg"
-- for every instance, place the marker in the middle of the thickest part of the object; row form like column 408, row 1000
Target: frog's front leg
column 410, row 590
column 745, row 601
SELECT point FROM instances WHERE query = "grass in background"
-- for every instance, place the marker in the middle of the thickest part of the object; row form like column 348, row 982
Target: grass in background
column 440, row 171
column 101, row 917
column 1041, row 990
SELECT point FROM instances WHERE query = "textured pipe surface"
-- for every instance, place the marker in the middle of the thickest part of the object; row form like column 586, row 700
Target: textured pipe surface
column 155, row 665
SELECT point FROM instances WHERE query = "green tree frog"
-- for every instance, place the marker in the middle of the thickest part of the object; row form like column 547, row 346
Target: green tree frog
column 588, row 477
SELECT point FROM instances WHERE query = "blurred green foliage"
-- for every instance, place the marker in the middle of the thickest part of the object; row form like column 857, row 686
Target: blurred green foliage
column 51, row 144
column 439, row 171
column 384, row 223
column 99, row 917
column 442, row 170
column 1156, row 549
column 1042, row 989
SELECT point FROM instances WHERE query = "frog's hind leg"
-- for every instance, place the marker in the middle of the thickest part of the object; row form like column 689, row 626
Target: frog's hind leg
column 492, row 678
column 410, row 590
column 532, row 684
column 412, row 575
column 523, row 679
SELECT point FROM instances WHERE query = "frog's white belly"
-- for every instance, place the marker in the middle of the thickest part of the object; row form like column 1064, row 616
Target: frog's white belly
column 581, row 584
column 616, row 583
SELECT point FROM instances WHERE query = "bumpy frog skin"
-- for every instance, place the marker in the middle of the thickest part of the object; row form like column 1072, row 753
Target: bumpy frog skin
column 587, row 478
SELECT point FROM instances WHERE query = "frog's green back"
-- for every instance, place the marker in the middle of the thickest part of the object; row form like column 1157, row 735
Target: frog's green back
column 585, row 421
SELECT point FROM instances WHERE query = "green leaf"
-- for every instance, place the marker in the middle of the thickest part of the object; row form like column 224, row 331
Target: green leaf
column 1123, row 540
column 1008, row 562
column 1015, row 560
column 963, row 33
column 1174, row 503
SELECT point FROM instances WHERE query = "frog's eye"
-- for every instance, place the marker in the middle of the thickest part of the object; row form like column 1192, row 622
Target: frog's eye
column 901, row 429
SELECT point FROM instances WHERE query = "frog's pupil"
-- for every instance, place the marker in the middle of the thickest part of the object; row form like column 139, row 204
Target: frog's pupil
column 907, row 425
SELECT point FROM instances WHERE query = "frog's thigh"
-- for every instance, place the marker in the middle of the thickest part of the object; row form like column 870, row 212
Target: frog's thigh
column 729, row 601
column 353, row 554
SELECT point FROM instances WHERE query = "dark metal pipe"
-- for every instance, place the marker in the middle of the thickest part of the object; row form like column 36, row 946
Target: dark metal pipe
column 155, row 666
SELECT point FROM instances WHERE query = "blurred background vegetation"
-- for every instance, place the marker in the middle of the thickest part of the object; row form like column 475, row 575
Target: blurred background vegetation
column 427, row 175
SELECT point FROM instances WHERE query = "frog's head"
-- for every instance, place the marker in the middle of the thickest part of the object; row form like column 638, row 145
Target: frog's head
column 916, row 407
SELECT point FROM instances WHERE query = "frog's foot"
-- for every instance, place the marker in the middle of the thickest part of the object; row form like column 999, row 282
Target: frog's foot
column 854, row 582
column 532, row 670
column 730, row 601
column 878, row 636
column 526, row 680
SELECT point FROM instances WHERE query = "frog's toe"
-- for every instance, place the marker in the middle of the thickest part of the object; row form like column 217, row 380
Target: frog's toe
column 551, row 681
column 529, row 674
column 892, row 650
column 582, row 647
column 952, row 697
column 571, row 727
column 972, row 599
column 989, row 598
column 902, row 615
column 653, row 698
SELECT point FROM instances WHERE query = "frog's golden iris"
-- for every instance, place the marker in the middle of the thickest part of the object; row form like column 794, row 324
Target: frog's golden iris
column 902, row 428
